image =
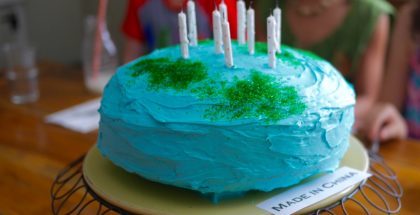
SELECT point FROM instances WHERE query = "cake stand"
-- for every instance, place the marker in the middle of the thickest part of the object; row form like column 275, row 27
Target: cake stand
column 93, row 185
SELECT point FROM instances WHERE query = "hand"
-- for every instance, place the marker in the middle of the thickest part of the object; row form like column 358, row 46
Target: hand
column 384, row 122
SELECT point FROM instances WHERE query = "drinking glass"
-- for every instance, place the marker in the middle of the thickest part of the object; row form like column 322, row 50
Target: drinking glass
column 21, row 73
column 97, row 78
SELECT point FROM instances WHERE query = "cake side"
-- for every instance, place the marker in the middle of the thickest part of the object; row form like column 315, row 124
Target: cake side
column 218, row 130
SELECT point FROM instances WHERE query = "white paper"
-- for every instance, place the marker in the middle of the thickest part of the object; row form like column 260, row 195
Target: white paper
column 307, row 194
column 82, row 118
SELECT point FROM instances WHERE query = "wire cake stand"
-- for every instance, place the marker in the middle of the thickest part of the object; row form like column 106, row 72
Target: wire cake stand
column 71, row 193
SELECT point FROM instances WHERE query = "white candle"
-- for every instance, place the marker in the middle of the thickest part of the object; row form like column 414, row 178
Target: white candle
column 217, row 32
column 250, row 22
column 240, row 7
column 223, row 10
column 192, row 24
column 271, row 41
column 182, row 22
column 277, row 16
column 227, row 44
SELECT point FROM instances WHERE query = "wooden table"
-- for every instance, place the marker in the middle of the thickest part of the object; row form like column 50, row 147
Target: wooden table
column 33, row 152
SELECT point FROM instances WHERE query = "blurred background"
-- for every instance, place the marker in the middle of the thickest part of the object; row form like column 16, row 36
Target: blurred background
column 55, row 27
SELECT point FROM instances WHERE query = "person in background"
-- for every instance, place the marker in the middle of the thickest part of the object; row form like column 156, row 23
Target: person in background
column 151, row 24
column 401, row 89
column 351, row 34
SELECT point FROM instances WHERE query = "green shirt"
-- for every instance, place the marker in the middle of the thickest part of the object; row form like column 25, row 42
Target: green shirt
column 346, row 45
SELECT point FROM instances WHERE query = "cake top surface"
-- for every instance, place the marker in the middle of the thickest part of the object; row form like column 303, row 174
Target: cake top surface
column 202, row 89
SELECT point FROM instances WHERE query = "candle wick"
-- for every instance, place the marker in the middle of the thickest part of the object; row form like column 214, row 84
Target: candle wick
column 277, row 3
column 250, row 4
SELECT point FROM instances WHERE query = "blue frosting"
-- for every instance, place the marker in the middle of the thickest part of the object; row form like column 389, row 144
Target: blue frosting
column 164, row 135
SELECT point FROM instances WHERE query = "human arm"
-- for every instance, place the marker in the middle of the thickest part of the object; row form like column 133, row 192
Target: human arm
column 369, row 75
column 396, row 76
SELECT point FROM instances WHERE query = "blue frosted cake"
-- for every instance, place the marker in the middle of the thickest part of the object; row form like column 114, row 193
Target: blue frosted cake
column 199, row 125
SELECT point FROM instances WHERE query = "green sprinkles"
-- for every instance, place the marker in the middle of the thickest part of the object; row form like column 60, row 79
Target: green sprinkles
column 207, row 90
column 259, row 97
column 205, row 42
column 165, row 73
column 292, row 60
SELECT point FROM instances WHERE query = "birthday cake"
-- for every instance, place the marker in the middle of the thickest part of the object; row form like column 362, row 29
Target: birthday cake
column 196, row 124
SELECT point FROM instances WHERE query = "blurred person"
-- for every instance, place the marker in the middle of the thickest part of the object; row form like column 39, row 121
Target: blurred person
column 351, row 34
column 401, row 89
column 151, row 24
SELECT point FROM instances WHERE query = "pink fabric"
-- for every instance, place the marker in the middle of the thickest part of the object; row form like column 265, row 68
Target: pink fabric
column 412, row 110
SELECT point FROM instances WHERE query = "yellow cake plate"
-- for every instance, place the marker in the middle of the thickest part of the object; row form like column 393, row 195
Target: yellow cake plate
column 138, row 195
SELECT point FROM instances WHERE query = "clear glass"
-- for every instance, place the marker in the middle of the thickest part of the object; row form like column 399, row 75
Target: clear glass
column 109, row 58
column 21, row 73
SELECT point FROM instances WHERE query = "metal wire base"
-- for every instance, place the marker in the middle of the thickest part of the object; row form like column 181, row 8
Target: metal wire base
column 380, row 194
